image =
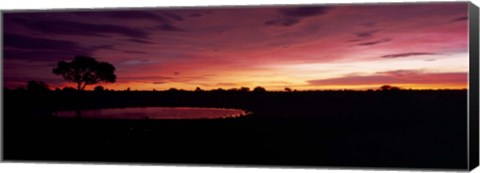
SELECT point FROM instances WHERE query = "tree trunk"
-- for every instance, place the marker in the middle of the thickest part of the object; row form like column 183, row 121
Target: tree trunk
column 79, row 84
column 83, row 87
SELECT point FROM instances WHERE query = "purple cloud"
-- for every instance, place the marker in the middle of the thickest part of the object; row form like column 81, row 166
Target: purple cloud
column 367, row 33
column 143, row 41
column 401, row 55
column 374, row 42
column 173, row 16
column 282, row 22
column 42, row 49
column 167, row 27
column 306, row 11
column 27, row 42
column 459, row 19
column 79, row 28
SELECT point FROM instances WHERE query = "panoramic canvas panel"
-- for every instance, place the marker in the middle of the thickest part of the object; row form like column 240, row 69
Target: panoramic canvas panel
column 360, row 85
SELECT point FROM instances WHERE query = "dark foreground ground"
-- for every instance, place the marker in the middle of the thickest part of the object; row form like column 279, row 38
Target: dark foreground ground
column 397, row 129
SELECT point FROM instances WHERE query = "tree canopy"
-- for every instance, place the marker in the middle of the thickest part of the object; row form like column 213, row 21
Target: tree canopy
column 84, row 70
column 259, row 89
column 37, row 86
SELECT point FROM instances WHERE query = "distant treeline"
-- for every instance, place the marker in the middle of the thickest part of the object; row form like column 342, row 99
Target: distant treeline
column 40, row 86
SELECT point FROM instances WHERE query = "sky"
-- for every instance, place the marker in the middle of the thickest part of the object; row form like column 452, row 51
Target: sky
column 308, row 47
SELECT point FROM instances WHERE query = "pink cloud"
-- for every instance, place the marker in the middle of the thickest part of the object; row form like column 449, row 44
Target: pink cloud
column 397, row 77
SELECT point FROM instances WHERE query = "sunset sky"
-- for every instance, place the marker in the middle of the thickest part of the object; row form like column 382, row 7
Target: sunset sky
column 418, row 46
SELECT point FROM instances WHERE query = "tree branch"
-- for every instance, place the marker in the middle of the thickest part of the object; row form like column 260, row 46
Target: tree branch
column 84, row 85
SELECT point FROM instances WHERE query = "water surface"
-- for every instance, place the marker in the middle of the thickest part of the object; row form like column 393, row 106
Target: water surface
column 155, row 113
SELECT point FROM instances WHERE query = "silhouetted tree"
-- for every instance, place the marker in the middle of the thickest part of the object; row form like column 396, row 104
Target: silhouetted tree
column 233, row 89
column 198, row 89
column 385, row 87
column 218, row 90
column 85, row 70
column 68, row 89
column 259, row 89
column 99, row 89
column 21, row 89
column 172, row 89
column 37, row 86
column 389, row 88
column 244, row 89
column 395, row 88
column 288, row 89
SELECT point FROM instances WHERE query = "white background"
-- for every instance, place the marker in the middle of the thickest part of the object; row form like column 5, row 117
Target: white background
column 86, row 168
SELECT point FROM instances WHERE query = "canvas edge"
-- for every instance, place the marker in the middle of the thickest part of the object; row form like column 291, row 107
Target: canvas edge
column 473, row 96
column 2, row 139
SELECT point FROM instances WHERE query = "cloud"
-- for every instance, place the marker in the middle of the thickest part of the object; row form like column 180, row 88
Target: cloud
column 27, row 42
column 167, row 79
column 136, row 15
column 134, row 52
column 396, row 77
column 355, row 40
column 367, row 33
column 368, row 24
column 282, row 22
column 158, row 83
column 401, row 55
column 42, row 49
column 168, row 27
column 146, row 78
column 374, row 42
column 42, row 55
column 459, row 19
column 196, row 15
column 82, row 29
column 139, row 41
column 304, row 11
column 292, row 16
column 221, row 84
column 227, row 84
column 108, row 47
column 173, row 16
column 135, row 62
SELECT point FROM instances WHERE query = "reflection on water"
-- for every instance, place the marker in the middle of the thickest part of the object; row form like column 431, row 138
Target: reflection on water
column 155, row 113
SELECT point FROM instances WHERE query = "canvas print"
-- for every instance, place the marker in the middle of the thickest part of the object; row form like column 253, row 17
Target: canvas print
column 352, row 85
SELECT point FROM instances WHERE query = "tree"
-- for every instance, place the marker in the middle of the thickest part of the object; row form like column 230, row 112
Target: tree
column 99, row 89
column 385, row 87
column 85, row 71
column 68, row 89
column 37, row 86
column 172, row 90
column 244, row 89
column 259, row 89
column 389, row 88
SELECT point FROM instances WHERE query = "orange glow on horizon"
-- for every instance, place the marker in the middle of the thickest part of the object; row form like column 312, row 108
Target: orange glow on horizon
column 150, row 87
